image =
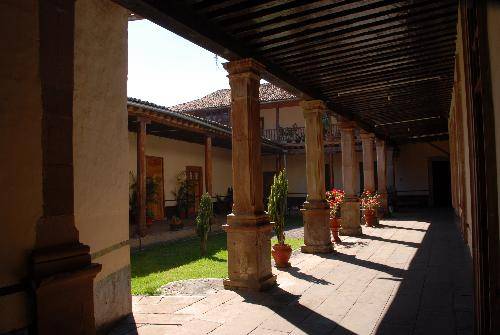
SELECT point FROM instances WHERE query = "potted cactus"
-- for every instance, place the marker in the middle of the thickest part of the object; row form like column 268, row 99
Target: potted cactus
column 276, row 209
column 335, row 199
column 203, row 221
column 370, row 201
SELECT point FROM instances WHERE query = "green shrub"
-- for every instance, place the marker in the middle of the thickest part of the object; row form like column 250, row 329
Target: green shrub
column 276, row 206
column 203, row 221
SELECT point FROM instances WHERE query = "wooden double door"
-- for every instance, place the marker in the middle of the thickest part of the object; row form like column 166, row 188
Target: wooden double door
column 154, row 170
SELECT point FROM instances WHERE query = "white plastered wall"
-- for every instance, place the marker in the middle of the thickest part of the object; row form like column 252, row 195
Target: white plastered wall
column 179, row 154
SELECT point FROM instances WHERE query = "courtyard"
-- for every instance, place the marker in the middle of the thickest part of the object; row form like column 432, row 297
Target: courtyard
column 409, row 275
column 164, row 263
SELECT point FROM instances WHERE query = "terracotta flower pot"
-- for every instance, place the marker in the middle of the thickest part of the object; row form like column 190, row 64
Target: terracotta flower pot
column 370, row 217
column 335, row 224
column 281, row 254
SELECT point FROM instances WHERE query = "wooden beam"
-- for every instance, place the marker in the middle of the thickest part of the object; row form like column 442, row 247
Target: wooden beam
column 208, row 165
column 141, row 175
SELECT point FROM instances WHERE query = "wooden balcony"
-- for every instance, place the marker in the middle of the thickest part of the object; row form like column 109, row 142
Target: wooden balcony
column 295, row 136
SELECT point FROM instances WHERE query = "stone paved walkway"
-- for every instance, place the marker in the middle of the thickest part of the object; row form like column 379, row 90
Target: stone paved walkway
column 410, row 275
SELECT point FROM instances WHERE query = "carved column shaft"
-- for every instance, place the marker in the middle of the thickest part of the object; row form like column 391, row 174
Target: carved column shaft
column 349, row 168
column 368, row 159
column 315, row 158
column 350, row 209
column 315, row 211
column 382, row 174
column 248, row 228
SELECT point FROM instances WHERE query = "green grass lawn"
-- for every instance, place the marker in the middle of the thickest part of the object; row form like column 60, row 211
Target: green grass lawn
column 165, row 263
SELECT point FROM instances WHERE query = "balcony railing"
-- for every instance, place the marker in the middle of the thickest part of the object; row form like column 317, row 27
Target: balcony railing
column 296, row 135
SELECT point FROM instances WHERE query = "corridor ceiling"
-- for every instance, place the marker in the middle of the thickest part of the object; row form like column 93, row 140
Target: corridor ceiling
column 388, row 65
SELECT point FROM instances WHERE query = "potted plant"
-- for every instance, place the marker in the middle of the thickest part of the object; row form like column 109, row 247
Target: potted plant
column 335, row 199
column 181, row 194
column 370, row 201
column 203, row 221
column 176, row 223
column 276, row 208
column 152, row 188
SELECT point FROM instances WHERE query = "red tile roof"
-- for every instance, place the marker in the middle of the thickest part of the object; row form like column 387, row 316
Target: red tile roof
column 222, row 98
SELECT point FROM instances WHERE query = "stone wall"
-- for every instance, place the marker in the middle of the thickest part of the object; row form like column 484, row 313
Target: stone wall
column 100, row 151
column 20, row 154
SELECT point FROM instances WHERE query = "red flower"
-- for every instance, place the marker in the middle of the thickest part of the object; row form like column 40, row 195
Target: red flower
column 335, row 199
column 370, row 200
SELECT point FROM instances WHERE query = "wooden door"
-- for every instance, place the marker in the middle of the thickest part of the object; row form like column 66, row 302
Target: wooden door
column 194, row 177
column 154, row 170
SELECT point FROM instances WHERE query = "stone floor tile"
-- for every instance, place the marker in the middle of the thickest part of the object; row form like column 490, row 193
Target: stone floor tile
column 148, row 300
column 210, row 302
column 162, row 319
column 136, row 299
column 263, row 331
column 393, row 329
column 197, row 327
column 410, row 275
column 158, row 330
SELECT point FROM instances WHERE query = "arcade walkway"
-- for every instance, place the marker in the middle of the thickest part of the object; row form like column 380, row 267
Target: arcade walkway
column 410, row 275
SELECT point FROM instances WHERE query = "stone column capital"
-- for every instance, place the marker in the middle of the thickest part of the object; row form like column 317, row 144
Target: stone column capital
column 379, row 142
column 366, row 135
column 313, row 107
column 244, row 66
column 346, row 126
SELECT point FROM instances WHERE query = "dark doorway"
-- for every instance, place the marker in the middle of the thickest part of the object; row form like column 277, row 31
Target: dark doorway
column 441, row 184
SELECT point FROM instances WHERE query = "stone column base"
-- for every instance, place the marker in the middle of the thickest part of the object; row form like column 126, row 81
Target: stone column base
column 317, row 237
column 63, row 278
column 249, row 253
column 350, row 214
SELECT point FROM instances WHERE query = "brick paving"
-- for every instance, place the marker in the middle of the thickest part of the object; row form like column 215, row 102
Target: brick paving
column 410, row 275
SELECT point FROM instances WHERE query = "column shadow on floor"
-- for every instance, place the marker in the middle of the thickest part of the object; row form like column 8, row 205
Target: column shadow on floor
column 295, row 271
column 377, row 238
column 384, row 226
column 287, row 306
column 435, row 293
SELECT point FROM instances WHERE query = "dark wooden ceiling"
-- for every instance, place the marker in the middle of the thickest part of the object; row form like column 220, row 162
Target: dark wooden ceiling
column 386, row 64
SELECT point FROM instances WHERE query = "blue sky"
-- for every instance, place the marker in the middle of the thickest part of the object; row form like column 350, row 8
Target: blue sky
column 166, row 69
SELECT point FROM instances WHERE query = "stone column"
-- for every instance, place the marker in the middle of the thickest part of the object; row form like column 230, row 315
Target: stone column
column 208, row 165
column 368, row 159
column 248, row 227
column 141, row 176
column 61, row 270
column 330, row 166
column 315, row 211
column 350, row 209
column 382, row 176
column 391, row 172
